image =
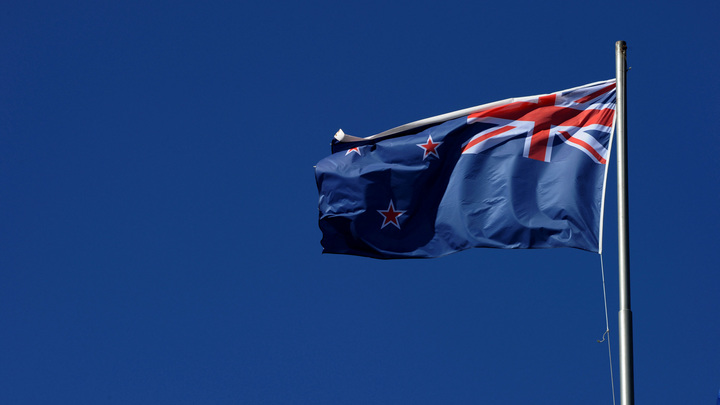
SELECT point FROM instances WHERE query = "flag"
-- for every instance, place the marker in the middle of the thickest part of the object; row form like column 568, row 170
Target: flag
column 526, row 172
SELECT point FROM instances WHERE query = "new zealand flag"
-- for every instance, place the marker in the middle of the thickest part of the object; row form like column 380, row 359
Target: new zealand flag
column 520, row 173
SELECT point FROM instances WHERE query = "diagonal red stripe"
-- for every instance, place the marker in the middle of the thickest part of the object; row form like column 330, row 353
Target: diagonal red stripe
column 595, row 94
column 590, row 117
column 583, row 145
column 487, row 136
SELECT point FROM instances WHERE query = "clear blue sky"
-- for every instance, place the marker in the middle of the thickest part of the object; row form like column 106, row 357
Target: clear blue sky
column 158, row 209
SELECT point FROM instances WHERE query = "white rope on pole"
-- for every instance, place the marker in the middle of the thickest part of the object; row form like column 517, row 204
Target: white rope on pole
column 606, row 335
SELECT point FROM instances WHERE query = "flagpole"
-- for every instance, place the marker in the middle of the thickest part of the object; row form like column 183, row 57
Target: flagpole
column 627, row 394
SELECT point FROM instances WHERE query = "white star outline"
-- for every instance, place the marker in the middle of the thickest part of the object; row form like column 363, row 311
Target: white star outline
column 429, row 147
column 388, row 213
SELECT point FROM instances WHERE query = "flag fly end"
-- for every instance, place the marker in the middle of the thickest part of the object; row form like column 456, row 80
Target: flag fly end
column 339, row 135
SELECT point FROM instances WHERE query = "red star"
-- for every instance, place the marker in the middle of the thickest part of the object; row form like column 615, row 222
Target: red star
column 349, row 151
column 390, row 216
column 429, row 148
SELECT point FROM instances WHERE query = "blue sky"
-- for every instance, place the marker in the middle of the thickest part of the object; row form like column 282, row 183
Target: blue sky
column 159, row 239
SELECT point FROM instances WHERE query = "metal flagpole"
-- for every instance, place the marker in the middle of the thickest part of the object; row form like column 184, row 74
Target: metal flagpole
column 627, row 394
